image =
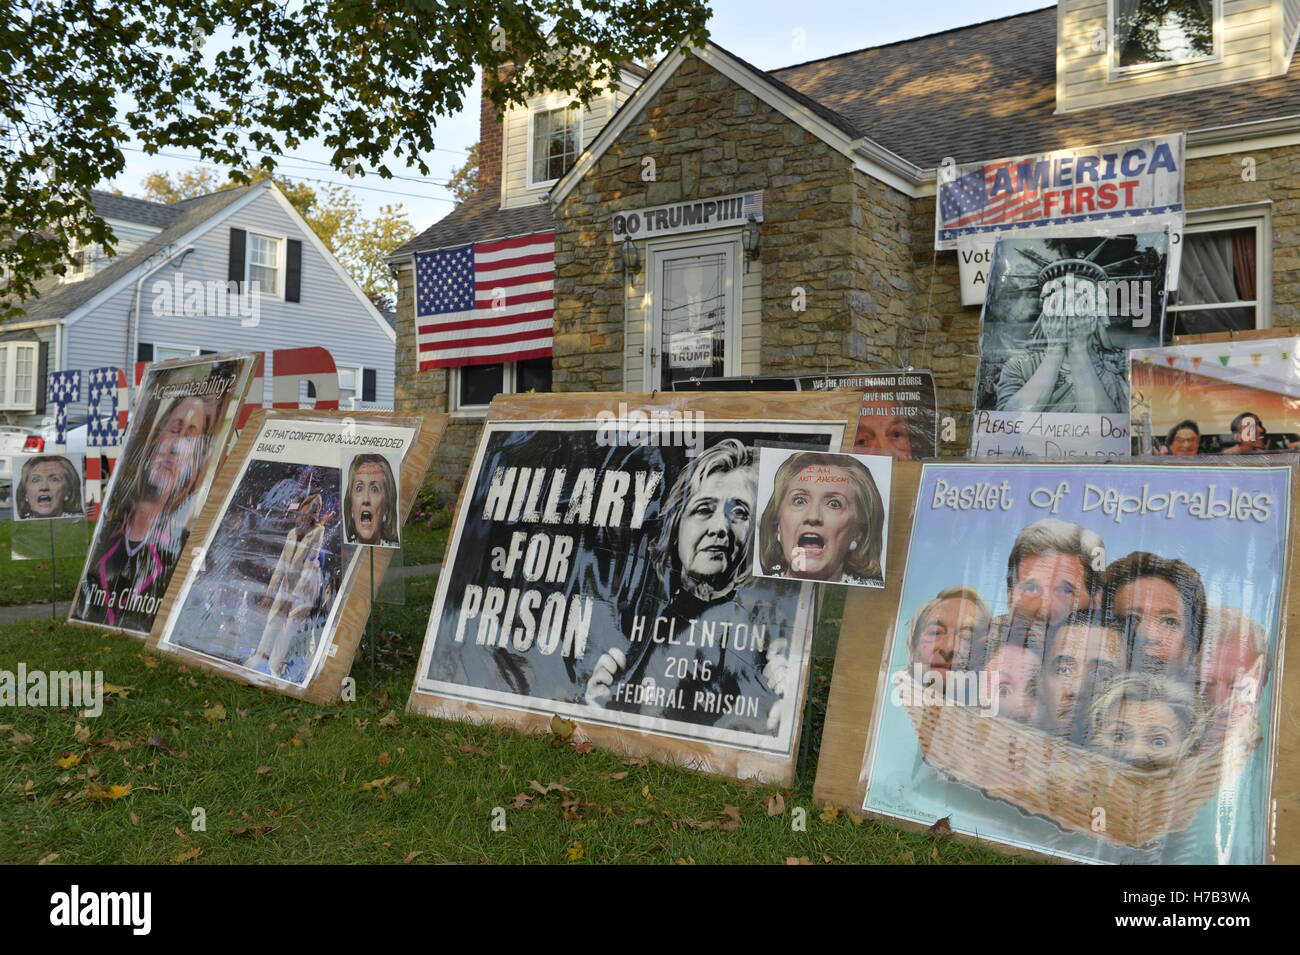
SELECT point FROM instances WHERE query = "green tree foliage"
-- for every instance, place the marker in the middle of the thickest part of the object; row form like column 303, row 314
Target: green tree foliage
column 359, row 243
column 232, row 79
column 464, row 179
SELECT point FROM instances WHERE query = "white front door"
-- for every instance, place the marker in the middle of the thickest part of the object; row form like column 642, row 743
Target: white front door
column 694, row 320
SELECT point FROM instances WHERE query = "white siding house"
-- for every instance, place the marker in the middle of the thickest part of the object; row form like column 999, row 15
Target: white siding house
column 166, row 294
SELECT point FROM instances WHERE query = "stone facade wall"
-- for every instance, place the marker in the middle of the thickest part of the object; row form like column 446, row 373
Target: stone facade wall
column 951, row 338
column 876, row 291
column 708, row 136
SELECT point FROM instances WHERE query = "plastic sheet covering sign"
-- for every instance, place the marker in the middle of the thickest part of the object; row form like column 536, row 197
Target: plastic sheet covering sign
column 599, row 569
column 180, row 430
column 1085, row 660
column 1060, row 318
column 273, row 571
column 1228, row 398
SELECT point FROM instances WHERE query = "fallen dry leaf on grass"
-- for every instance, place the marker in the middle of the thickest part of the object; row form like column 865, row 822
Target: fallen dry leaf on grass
column 189, row 855
column 252, row 830
column 68, row 760
column 622, row 775
column 774, row 804
column 942, row 826
column 81, row 734
column 799, row 860
column 96, row 791
column 390, row 720
column 112, row 689
column 215, row 713
column 561, row 728
column 383, row 759
column 548, row 788
column 46, row 860
column 520, row 800
column 264, row 770
column 829, row 813
column 574, row 852
column 411, row 857
column 21, row 739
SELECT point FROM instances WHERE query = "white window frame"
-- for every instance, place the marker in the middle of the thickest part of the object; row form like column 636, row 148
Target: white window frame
column 281, row 247
column 547, row 106
column 1225, row 218
column 9, row 356
column 354, row 402
column 509, row 381
column 657, row 252
column 1112, row 48
column 191, row 351
column 90, row 254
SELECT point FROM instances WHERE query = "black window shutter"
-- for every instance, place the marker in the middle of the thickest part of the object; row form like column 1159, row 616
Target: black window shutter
column 369, row 384
column 42, row 376
column 144, row 351
column 293, row 271
column 235, row 272
column 207, row 351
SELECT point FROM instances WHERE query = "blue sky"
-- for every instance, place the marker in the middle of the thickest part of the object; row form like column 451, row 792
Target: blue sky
column 767, row 33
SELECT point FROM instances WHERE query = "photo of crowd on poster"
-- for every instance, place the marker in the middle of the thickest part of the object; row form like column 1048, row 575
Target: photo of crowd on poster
column 49, row 486
column 823, row 517
column 1126, row 618
column 370, row 495
column 180, row 429
column 1059, row 320
column 610, row 580
column 1230, row 398
column 266, row 591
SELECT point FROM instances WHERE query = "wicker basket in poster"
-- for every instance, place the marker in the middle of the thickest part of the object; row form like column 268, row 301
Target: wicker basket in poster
column 1050, row 777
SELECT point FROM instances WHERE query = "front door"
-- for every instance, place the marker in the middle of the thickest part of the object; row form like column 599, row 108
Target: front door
column 693, row 314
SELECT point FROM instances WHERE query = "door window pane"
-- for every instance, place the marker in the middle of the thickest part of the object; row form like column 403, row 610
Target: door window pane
column 693, row 318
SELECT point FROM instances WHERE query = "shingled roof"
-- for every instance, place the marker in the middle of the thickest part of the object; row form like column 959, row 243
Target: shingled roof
column 185, row 217
column 989, row 90
column 129, row 209
column 477, row 219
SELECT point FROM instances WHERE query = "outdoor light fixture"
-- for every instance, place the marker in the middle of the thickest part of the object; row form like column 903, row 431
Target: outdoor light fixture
column 749, row 239
column 631, row 258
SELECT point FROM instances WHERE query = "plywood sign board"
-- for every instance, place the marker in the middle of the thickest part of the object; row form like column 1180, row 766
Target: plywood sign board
column 598, row 569
column 181, row 427
column 271, row 593
column 1080, row 661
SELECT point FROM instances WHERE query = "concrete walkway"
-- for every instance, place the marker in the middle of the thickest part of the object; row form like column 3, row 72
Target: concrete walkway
column 21, row 612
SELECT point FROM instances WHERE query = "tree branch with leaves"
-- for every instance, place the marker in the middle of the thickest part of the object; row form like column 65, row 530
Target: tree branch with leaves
column 231, row 79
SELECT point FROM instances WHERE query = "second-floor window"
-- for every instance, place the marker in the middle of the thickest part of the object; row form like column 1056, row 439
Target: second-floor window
column 264, row 262
column 555, row 142
column 1162, row 32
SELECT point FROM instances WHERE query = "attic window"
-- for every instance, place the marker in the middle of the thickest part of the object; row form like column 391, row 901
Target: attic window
column 1163, row 32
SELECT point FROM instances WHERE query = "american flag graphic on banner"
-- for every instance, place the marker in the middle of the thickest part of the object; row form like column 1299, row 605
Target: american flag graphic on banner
column 486, row 302
column 1094, row 184
column 64, row 389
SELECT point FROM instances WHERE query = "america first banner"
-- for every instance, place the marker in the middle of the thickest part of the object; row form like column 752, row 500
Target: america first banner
column 1104, row 187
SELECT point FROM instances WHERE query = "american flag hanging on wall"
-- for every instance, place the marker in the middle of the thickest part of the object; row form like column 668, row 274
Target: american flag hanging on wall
column 486, row 302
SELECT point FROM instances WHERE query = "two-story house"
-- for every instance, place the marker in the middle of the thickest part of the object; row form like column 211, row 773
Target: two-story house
column 235, row 270
column 794, row 208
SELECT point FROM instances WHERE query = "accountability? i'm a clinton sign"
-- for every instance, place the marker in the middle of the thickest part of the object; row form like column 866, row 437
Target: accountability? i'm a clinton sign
column 1098, row 186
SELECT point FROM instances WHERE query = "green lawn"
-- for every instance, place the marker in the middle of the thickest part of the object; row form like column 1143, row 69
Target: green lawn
column 28, row 581
column 363, row 782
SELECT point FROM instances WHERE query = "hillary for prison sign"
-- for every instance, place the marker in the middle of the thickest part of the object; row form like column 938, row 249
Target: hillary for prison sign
column 1101, row 186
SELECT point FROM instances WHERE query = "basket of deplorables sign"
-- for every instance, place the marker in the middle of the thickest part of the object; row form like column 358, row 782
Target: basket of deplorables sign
column 1083, row 660
column 599, row 569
